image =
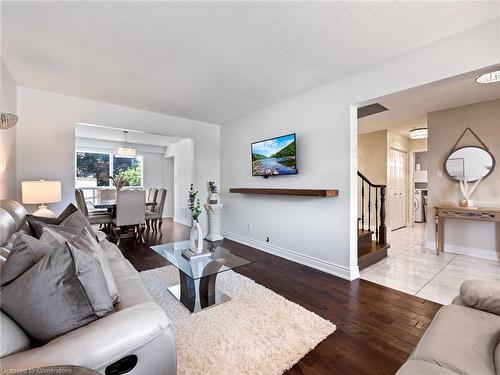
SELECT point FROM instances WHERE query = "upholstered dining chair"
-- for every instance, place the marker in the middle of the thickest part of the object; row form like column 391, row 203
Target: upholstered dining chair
column 100, row 217
column 130, row 213
column 154, row 218
column 152, row 195
column 107, row 194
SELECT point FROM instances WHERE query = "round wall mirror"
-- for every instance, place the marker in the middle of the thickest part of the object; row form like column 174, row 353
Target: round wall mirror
column 470, row 163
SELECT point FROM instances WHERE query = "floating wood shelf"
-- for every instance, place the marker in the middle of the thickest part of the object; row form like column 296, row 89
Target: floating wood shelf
column 302, row 192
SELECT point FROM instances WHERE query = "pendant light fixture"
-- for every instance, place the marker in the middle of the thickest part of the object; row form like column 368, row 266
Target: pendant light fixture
column 418, row 133
column 125, row 152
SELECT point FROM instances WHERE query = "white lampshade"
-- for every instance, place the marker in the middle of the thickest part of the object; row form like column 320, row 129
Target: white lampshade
column 36, row 192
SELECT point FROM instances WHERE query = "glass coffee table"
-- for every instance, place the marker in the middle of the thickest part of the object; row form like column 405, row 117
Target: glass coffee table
column 197, row 289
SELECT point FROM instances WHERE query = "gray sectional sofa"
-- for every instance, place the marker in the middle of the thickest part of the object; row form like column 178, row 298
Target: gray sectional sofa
column 138, row 338
column 463, row 338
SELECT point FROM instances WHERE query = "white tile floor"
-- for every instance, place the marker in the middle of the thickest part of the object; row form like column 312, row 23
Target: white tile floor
column 411, row 268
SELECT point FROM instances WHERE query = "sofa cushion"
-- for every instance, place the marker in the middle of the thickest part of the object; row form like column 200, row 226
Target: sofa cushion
column 25, row 252
column 110, row 249
column 13, row 339
column 65, row 290
column 132, row 292
column 412, row 367
column 481, row 294
column 461, row 339
column 87, row 243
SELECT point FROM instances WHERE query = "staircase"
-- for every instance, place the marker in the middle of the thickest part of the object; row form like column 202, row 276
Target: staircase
column 372, row 232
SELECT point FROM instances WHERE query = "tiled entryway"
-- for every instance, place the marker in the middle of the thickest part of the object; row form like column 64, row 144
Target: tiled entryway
column 412, row 268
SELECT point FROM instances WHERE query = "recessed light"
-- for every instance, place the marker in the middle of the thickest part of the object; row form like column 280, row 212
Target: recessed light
column 418, row 133
column 492, row 77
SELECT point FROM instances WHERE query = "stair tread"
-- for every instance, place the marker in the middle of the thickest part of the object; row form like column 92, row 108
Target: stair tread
column 371, row 248
column 364, row 232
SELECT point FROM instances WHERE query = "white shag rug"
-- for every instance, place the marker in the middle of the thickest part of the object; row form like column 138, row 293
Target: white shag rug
column 257, row 332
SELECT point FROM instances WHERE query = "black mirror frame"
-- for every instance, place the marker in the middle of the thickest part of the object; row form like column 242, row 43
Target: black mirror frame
column 460, row 148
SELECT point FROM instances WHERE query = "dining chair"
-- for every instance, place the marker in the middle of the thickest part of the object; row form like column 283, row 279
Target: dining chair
column 101, row 217
column 130, row 214
column 107, row 194
column 154, row 218
column 152, row 194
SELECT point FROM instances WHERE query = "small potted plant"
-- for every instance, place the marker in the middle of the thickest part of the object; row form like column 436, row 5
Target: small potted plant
column 196, row 236
column 213, row 197
column 118, row 182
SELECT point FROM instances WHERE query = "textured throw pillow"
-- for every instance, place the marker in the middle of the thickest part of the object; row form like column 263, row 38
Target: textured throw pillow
column 65, row 290
column 25, row 252
column 58, row 233
column 85, row 242
column 71, row 217
column 33, row 221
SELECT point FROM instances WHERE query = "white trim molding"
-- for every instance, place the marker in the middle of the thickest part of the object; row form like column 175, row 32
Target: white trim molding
column 318, row 264
column 465, row 250
column 182, row 220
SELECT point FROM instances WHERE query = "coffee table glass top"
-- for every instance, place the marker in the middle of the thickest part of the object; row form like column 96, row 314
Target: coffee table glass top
column 201, row 267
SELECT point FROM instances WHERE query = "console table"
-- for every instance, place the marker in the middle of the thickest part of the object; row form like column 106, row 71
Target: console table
column 442, row 212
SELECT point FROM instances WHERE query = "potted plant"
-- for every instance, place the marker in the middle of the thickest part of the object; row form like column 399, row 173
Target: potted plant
column 213, row 196
column 118, row 182
column 196, row 235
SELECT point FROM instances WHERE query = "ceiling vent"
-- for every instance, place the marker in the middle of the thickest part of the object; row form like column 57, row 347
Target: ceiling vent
column 370, row 109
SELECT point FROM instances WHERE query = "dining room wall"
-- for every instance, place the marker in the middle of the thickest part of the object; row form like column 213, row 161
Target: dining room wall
column 46, row 138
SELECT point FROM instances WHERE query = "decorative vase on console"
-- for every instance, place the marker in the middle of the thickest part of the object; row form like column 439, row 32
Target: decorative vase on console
column 467, row 192
column 196, row 235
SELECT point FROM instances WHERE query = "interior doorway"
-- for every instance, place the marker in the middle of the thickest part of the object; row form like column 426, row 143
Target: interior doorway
column 398, row 177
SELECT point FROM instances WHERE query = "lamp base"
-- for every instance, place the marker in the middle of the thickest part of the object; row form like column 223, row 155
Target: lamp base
column 43, row 211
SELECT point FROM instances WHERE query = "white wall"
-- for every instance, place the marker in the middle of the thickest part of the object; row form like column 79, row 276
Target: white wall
column 169, row 180
column 46, row 134
column 321, row 232
column 181, row 155
column 8, row 103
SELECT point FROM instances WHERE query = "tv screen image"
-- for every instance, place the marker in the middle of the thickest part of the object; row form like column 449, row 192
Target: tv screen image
column 275, row 156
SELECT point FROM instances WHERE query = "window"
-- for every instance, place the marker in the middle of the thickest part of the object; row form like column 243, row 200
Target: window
column 93, row 169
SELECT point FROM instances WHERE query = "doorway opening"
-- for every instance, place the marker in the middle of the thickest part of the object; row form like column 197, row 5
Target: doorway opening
column 407, row 166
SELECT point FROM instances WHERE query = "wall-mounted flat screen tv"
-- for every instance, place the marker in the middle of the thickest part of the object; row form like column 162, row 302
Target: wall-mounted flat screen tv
column 275, row 156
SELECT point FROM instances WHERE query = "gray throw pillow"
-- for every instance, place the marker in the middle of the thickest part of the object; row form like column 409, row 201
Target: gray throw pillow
column 85, row 242
column 25, row 252
column 65, row 290
column 58, row 233
column 34, row 221
column 71, row 217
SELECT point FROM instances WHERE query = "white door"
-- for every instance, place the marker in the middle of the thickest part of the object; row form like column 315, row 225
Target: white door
column 397, row 188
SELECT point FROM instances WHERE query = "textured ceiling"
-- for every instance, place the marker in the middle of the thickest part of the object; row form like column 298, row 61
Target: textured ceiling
column 214, row 61
column 409, row 109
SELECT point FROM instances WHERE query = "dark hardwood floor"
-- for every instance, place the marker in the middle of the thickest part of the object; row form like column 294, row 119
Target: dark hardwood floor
column 377, row 327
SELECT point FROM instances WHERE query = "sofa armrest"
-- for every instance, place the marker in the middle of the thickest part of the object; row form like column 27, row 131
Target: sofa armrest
column 481, row 294
column 101, row 342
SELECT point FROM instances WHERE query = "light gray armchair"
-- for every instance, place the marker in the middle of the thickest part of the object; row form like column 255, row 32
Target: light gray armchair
column 130, row 214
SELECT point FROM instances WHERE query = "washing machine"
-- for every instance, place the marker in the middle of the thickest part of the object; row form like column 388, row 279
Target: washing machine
column 418, row 206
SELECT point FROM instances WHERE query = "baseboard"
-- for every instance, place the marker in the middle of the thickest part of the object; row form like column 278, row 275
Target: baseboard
column 184, row 221
column 321, row 265
column 465, row 250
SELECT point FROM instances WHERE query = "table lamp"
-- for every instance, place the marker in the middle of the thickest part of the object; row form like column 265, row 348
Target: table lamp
column 41, row 192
